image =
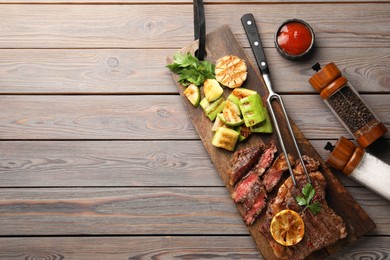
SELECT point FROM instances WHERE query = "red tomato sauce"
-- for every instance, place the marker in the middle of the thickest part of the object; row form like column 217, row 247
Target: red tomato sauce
column 294, row 38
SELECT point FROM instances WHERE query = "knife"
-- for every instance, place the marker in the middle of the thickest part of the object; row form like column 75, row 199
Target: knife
column 249, row 24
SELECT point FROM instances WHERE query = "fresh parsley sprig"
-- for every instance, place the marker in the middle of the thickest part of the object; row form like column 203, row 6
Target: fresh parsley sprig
column 308, row 193
column 191, row 70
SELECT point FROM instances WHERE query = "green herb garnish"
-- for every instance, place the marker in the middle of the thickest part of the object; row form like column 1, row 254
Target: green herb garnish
column 308, row 193
column 191, row 70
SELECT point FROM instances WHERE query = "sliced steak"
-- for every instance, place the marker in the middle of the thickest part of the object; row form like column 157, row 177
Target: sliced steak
column 251, row 193
column 266, row 159
column 310, row 163
column 250, row 183
column 257, row 206
column 245, row 187
column 321, row 230
column 250, row 190
column 273, row 174
column 243, row 160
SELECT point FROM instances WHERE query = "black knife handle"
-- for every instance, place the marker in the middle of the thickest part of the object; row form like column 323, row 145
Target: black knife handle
column 249, row 23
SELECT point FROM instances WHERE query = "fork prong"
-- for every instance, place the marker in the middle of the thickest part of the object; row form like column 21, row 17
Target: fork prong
column 280, row 137
column 271, row 97
column 294, row 139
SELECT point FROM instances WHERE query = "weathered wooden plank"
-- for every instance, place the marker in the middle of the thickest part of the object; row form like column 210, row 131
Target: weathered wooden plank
column 120, row 163
column 146, row 117
column 168, row 1
column 118, row 211
column 129, row 211
column 143, row 163
column 376, row 207
column 144, row 71
column 89, row 117
column 153, row 26
column 57, row 163
column 226, row 247
column 165, row 247
column 365, row 68
column 85, row 71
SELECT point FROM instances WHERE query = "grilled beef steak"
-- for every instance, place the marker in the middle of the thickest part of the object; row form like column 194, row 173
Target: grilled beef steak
column 242, row 161
column 252, row 194
column 310, row 163
column 321, row 230
column 259, row 203
column 273, row 174
column 250, row 190
column 247, row 186
column 266, row 159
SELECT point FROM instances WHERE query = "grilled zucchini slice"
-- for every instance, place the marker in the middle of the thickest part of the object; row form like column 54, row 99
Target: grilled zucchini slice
column 212, row 109
column 251, row 108
column 192, row 93
column 212, row 90
column 265, row 126
column 231, row 114
column 225, row 138
column 241, row 93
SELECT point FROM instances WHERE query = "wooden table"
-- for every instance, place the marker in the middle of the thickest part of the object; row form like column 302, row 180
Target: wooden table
column 98, row 158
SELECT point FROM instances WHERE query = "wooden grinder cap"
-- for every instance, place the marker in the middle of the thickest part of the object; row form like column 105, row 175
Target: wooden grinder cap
column 343, row 150
column 333, row 87
column 325, row 76
column 372, row 135
column 345, row 156
column 354, row 161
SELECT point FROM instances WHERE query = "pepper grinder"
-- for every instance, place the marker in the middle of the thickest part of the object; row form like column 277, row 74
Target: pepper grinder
column 360, row 165
column 345, row 102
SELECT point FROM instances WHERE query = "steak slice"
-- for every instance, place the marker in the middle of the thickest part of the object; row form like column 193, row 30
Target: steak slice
column 310, row 163
column 250, row 183
column 321, row 230
column 273, row 174
column 266, row 159
column 251, row 192
column 242, row 161
column 257, row 206
column 245, row 187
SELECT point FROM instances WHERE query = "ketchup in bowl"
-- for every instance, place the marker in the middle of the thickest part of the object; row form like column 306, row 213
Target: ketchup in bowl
column 294, row 39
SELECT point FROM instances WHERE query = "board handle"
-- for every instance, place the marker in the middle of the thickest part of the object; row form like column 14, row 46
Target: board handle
column 200, row 28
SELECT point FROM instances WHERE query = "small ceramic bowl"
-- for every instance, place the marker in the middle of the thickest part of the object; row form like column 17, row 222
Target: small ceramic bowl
column 294, row 39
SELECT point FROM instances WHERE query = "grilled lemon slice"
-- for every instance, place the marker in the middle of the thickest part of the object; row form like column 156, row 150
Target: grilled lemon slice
column 231, row 71
column 287, row 227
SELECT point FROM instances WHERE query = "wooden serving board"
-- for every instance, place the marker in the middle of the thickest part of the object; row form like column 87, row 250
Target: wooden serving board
column 222, row 42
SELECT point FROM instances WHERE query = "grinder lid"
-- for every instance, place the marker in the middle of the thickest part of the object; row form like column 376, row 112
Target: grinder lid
column 325, row 76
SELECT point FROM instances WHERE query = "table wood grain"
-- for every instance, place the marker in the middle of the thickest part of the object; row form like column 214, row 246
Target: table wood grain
column 98, row 158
